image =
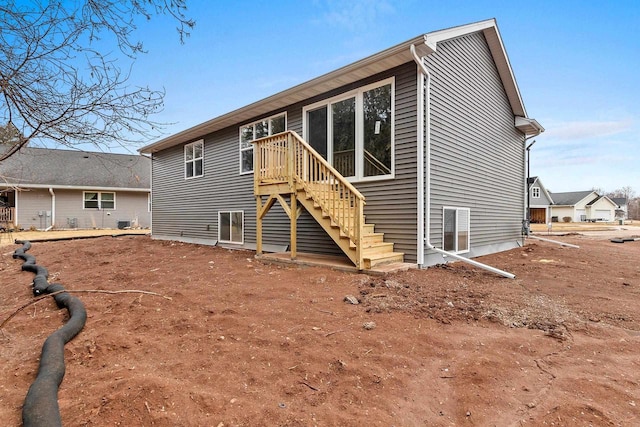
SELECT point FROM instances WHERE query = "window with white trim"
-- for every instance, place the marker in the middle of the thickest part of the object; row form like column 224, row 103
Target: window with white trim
column 354, row 132
column 99, row 200
column 231, row 227
column 456, row 227
column 535, row 192
column 194, row 159
column 256, row 130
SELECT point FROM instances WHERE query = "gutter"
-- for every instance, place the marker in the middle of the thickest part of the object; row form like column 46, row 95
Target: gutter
column 424, row 186
column 53, row 209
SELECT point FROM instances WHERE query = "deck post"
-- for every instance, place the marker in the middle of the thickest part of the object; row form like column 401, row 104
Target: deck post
column 359, row 231
column 294, row 225
column 258, row 225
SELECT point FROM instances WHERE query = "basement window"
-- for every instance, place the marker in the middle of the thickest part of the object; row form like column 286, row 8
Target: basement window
column 231, row 227
column 456, row 230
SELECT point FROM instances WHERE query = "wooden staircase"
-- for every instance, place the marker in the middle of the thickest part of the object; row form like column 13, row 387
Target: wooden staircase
column 284, row 164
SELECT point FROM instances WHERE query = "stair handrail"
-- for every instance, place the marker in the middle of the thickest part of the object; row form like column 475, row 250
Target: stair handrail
column 287, row 158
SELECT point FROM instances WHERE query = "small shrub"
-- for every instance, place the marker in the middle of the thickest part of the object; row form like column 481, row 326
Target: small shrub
column 566, row 218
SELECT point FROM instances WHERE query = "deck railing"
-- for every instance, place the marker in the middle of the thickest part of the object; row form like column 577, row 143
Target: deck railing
column 287, row 158
column 7, row 216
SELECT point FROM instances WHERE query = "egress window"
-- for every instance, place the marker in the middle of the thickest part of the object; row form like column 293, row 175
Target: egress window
column 256, row 130
column 456, row 229
column 194, row 159
column 99, row 200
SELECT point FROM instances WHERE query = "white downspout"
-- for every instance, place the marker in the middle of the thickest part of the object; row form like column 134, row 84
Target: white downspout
column 53, row 209
column 424, row 188
column 422, row 71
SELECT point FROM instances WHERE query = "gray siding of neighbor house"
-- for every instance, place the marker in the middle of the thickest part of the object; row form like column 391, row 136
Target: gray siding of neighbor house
column 477, row 157
column 543, row 200
column 187, row 210
column 30, row 204
column 130, row 206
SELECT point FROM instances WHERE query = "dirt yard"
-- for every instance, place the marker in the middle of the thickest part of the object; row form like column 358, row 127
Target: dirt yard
column 241, row 343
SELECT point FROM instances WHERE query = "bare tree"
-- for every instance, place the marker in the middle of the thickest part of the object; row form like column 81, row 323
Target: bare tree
column 626, row 192
column 65, row 68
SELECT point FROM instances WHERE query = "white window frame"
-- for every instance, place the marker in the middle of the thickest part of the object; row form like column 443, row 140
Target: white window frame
column 359, row 143
column 457, row 219
column 250, row 148
column 99, row 193
column 535, row 192
column 195, row 159
column 220, row 239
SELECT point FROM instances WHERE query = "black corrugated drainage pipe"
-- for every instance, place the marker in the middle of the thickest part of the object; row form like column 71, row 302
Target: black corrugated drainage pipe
column 41, row 404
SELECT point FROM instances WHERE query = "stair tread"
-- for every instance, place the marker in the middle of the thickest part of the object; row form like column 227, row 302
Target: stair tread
column 383, row 255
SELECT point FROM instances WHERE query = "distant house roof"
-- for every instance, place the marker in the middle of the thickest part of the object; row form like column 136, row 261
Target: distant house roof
column 424, row 45
column 45, row 167
column 620, row 201
column 570, row 198
column 594, row 200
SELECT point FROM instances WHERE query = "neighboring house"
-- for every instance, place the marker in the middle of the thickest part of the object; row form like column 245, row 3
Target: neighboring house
column 582, row 206
column 426, row 139
column 622, row 212
column 539, row 202
column 44, row 188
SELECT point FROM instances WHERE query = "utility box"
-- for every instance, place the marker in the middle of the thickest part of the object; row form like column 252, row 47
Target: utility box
column 123, row 224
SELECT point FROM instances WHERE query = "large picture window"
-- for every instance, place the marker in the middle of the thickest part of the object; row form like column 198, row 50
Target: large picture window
column 456, row 230
column 354, row 131
column 194, row 159
column 256, row 130
column 99, row 200
column 231, row 227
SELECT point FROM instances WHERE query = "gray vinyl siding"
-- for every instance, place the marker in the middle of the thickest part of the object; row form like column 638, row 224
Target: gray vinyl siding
column 476, row 152
column 543, row 200
column 30, row 204
column 187, row 209
column 392, row 203
column 130, row 206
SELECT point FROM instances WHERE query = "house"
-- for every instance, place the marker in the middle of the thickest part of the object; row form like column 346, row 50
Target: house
column 622, row 212
column 44, row 188
column 414, row 154
column 539, row 201
column 582, row 206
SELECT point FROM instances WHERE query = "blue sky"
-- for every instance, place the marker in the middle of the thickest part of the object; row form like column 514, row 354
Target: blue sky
column 576, row 63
